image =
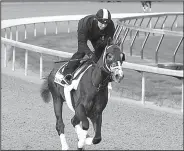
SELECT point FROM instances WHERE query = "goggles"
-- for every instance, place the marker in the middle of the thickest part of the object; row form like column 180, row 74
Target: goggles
column 103, row 21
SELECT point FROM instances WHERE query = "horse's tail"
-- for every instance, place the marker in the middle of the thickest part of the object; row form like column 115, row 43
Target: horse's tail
column 45, row 92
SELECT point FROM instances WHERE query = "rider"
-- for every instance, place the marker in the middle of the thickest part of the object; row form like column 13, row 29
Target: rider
column 95, row 28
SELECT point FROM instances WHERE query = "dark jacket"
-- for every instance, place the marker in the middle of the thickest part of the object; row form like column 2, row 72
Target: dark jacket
column 88, row 30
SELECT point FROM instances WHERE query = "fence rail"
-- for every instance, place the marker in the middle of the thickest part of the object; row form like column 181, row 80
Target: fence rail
column 125, row 26
column 122, row 26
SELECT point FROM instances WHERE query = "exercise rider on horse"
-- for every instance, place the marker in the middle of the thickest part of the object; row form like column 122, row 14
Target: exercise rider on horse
column 95, row 28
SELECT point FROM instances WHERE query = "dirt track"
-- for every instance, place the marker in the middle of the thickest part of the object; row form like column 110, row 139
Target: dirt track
column 28, row 123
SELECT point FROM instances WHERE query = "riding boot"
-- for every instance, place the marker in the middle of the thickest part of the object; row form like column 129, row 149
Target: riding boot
column 71, row 66
column 68, row 79
column 68, row 71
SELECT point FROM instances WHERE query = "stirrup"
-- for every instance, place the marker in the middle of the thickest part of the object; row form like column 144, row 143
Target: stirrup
column 68, row 79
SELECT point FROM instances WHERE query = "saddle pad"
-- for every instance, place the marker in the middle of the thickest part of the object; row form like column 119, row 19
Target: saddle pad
column 59, row 77
column 68, row 88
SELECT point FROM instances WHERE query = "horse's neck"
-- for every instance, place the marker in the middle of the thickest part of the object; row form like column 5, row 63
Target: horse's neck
column 100, row 64
column 98, row 75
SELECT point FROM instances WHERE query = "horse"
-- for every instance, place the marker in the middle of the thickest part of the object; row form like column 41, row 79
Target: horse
column 89, row 99
column 146, row 5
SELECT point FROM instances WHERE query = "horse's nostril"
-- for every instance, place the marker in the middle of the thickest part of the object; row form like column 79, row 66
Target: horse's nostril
column 117, row 76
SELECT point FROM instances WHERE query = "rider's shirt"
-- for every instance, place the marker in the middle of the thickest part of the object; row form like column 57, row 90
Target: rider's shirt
column 88, row 30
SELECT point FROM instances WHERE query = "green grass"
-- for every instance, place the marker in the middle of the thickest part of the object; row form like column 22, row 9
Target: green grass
column 161, row 90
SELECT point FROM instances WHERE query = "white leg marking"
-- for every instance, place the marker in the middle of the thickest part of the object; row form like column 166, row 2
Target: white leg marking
column 144, row 9
column 81, row 136
column 78, row 130
column 82, row 139
column 89, row 141
column 63, row 142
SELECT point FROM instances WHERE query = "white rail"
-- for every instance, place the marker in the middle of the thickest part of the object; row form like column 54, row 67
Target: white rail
column 127, row 65
column 66, row 18
column 27, row 47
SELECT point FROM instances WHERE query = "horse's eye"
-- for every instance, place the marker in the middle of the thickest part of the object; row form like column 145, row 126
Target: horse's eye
column 110, row 56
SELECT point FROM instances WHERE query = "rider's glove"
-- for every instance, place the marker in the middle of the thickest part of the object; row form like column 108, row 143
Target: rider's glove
column 90, row 55
column 100, row 43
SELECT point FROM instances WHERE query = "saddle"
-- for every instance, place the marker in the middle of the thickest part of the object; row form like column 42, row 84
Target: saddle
column 77, row 72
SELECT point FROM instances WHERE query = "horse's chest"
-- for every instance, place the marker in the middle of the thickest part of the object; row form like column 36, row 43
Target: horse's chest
column 89, row 105
column 94, row 107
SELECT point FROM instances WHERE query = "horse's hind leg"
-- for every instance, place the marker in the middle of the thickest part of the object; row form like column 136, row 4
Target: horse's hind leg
column 58, row 104
column 149, row 6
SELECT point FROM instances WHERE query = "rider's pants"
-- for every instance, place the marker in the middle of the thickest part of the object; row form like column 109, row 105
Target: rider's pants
column 73, row 63
column 75, row 60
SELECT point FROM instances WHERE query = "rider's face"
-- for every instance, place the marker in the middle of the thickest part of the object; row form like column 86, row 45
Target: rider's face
column 101, row 25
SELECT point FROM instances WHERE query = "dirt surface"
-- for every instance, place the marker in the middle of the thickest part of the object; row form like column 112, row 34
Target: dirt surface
column 29, row 123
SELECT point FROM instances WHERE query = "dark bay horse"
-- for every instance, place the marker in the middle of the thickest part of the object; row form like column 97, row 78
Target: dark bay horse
column 89, row 99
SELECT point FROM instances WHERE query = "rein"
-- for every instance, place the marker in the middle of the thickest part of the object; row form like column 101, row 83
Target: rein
column 101, row 86
column 70, row 60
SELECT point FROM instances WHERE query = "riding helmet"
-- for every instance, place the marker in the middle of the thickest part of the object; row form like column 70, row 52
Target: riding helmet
column 103, row 16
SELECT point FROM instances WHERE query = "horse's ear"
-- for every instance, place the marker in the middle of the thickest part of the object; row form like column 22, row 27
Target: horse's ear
column 122, row 56
column 109, row 41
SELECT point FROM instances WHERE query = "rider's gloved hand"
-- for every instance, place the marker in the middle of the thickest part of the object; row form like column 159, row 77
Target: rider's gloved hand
column 100, row 43
column 90, row 55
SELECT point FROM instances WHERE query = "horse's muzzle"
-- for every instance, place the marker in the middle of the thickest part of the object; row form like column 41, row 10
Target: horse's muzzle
column 117, row 75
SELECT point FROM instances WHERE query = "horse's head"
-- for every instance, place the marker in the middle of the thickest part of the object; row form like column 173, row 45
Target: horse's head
column 112, row 61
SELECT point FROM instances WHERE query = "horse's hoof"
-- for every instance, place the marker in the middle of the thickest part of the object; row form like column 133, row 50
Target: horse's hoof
column 89, row 141
column 97, row 140
column 87, row 136
column 65, row 148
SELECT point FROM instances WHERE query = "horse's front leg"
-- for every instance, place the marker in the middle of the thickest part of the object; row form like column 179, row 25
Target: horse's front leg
column 76, row 124
column 81, row 132
column 97, row 123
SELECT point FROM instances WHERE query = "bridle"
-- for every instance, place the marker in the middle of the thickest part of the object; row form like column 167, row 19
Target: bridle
column 105, row 66
column 106, row 69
